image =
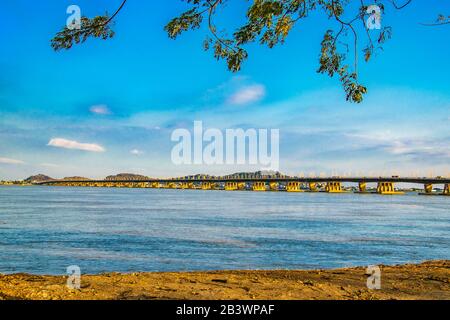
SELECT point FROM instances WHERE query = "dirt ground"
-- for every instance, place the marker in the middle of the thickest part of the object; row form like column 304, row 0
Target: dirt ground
column 429, row 280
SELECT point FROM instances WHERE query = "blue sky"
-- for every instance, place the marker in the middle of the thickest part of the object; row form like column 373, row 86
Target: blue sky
column 126, row 95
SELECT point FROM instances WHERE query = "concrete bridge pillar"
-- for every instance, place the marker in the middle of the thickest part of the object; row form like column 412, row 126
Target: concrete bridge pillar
column 293, row 186
column 187, row 185
column 231, row 186
column 447, row 189
column 274, row 186
column 172, row 185
column 206, row 186
column 333, row 187
column 384, row 187
column 259, row 186
column 428, row 187
column 362, row 186
column 387, row 188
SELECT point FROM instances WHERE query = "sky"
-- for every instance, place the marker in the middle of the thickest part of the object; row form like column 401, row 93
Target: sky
column 106, row 107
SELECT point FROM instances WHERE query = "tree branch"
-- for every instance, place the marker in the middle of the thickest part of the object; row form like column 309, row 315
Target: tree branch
column 116, row 13
column 400, row 7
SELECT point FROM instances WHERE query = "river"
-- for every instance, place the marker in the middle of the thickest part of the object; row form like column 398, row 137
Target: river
column 43, row 230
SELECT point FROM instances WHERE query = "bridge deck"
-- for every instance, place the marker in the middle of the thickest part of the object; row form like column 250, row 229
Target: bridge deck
column 269, row 180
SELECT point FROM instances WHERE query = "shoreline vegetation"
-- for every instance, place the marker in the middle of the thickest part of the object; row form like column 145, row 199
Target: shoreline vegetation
column 427, row 280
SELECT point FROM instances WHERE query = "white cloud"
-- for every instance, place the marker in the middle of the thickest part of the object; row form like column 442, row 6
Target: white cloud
column 100, row 109
column 71, row 144
column 247, row 95
column 11, row 161
column 421, row 148
column 136, row 152
column 400, row 144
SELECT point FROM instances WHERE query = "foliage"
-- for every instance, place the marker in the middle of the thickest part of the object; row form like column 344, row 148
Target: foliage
column 269, row 22
column 440, row 20
column 96, row 28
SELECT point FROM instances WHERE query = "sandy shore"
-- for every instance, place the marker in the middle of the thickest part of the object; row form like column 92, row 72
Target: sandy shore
column 429, row 280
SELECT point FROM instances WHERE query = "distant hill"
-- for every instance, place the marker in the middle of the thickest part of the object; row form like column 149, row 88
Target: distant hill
column 255, row 175
column 198, row 176
column 240, row 175
column 126, row 176
column 38, row 178
column 136, row 177
column 76, row 179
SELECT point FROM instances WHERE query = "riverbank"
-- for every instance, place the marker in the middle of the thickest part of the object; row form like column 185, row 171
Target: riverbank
column 428, row 280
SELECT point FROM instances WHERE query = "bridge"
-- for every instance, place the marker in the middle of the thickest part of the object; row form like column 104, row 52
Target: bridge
column 384, row 185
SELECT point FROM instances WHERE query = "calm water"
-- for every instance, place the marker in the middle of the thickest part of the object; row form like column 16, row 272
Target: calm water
column 44, row 230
